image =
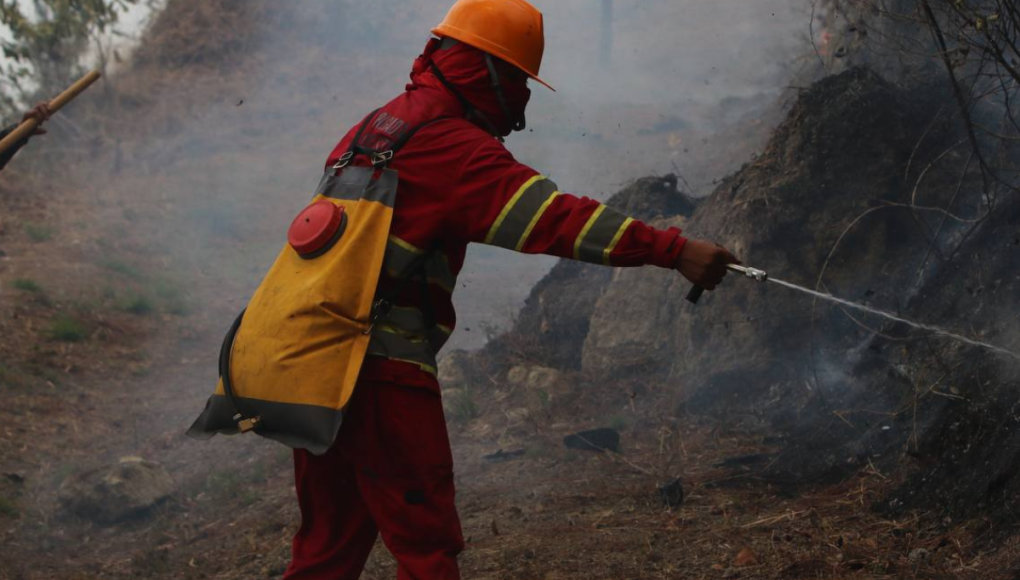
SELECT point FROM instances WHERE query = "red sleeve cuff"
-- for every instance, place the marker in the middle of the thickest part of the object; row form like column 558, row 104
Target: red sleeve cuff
column 667, row 248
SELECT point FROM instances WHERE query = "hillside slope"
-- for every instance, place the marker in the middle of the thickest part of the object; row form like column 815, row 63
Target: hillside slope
column 846, row 198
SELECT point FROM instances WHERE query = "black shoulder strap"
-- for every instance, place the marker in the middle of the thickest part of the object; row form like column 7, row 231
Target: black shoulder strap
column 410, row 133
column 380, row 158
column 361, row 130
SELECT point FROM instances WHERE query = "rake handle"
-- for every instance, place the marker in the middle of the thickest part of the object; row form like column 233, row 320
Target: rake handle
column 27, row 128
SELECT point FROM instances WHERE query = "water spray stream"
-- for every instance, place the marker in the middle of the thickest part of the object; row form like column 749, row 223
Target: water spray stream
column 761, row 276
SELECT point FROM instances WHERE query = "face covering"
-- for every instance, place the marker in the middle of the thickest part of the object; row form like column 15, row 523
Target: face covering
column 465, row 72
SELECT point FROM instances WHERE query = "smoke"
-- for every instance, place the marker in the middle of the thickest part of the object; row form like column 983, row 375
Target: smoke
column 689, row 87
column 229, row 109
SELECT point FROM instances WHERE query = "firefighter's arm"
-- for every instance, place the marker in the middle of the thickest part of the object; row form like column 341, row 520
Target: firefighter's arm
column 505, row 203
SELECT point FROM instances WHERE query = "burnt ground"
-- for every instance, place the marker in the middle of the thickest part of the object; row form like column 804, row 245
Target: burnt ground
column 554, row 513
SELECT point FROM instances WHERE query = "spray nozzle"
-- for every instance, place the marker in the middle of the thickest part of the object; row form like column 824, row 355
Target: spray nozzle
column 756, row 274
column 753, row 273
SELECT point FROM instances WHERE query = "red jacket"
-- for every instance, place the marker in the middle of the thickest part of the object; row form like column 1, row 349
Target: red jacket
column 458, row 185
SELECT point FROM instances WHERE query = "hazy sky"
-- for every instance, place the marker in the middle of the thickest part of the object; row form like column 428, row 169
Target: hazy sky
column 676, row 67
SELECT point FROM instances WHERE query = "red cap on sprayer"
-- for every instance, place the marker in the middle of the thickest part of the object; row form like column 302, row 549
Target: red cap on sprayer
column 315, row 227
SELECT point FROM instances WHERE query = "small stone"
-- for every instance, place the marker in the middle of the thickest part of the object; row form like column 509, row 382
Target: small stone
column 745, row 557
column 919, row 556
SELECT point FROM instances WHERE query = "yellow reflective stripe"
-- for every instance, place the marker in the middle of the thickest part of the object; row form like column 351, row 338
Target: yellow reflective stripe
column 388, row 343
column 509, row 206
column 515, row 224
column 401, row 255
column 408, row 318
column 616, row 239
column 405, row 245
column 587, row 228
column 401, row 332
column 603, row 230
column 428, row 368
column 441, row 279
column 409, row 323
column 534, row 220
column 425, row 367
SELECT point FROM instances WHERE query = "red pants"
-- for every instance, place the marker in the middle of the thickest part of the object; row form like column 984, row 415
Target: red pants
column 390, row 472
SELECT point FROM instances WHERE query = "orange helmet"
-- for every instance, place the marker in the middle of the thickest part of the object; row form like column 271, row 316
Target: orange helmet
column 507, row 29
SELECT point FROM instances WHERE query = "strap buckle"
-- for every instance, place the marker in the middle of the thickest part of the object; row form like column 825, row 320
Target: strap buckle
column 246, row 424
column 344, row 160
column 382, row 157
column 380, row 309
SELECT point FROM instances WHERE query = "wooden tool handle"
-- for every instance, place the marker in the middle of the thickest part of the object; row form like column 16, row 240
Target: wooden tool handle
column 28, row 127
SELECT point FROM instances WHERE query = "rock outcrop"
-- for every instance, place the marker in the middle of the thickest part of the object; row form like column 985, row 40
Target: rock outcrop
column 850, row 198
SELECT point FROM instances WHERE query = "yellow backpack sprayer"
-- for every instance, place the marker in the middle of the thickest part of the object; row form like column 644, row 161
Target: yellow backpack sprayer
column 289, row 363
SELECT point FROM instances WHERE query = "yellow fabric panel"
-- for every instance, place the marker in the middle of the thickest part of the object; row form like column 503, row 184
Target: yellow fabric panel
column 303, row 338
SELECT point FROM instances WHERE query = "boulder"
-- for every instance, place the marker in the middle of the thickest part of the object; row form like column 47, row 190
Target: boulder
column 551, row 328
column 117, row 492
column 834, row 202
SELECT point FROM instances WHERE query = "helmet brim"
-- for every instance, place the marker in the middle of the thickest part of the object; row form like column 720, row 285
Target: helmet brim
column 446, row 31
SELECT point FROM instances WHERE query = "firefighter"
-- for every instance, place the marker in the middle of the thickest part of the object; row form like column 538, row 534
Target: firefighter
column 41, row 113
column 390, row 470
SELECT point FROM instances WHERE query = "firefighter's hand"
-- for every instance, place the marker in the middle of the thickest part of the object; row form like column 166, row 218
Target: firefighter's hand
column 704, row 263
column 41, row 113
